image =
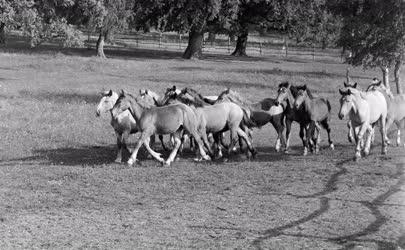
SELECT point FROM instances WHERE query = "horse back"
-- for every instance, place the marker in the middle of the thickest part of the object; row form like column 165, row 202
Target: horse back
column 319, row 109
column 163, row 120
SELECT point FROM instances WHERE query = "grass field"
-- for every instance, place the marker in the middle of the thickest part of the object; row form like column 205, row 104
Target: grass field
column 59, row 187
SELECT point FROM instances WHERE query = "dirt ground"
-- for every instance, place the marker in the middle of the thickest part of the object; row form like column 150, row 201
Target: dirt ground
column 59, row 187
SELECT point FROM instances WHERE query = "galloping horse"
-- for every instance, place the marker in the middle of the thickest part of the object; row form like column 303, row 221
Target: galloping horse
column 219, row 118
column 171, row 119
column 124, row 124
column 260, row 113
column 396, row 108
column 286, row 97
column 318, row 112
column 364, row 109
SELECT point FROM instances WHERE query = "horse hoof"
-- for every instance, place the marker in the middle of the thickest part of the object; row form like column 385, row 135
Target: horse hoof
column 305, row 152
column 332, row 147
column 166, row 163
column 118, row 160
column 286, row 151
column 197, row 159
column 366, row 152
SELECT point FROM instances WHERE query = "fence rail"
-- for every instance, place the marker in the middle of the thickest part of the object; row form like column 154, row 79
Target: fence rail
column 256, row 46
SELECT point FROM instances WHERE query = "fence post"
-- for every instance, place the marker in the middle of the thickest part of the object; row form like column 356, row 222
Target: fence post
column 313, row 52
column 260, row 47
column 286, row 46
column 137, row 42
column 180, row 41
column 160, row 40
column 229, row 44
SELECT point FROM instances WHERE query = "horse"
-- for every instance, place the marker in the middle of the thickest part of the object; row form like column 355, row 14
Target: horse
column 260, row 113
column 318, row 111
column 219, row 117
column 124, row 124
column 286, row 95
column 171, row 119
column 396, row 108
column 364, row 109
column 350, row 132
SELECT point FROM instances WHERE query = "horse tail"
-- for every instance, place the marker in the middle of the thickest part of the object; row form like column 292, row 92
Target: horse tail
column 247, row 120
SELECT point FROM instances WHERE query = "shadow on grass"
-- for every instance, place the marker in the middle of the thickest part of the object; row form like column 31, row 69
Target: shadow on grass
column 61, row 97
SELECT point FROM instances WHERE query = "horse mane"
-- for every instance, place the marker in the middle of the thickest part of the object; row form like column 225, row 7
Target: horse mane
column 245, row 105
column 145, row 103
column 199, row 100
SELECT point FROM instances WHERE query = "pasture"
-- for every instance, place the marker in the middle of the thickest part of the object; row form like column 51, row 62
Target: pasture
column 60, row 187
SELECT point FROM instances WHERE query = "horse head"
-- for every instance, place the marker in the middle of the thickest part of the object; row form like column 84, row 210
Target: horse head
column 302, row 95
column 108, row 99
column 346, row 102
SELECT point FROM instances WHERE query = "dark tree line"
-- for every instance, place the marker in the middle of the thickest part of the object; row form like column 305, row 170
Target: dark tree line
column 372, row 30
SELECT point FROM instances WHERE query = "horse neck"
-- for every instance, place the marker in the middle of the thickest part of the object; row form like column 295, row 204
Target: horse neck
column 290, row 100
column 307, row 103
column 137, row 110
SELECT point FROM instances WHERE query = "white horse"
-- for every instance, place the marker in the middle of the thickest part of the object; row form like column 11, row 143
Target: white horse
column 364, row 110
column 396, row 108
column 124, row 124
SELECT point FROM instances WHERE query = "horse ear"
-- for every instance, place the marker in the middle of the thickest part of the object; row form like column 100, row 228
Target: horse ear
column 355, row 85
column 174, row 87
column 122, row 92
column 109, row 93
column 345, row 84
column 341, row 92
column 304, row 87
column 349, row 92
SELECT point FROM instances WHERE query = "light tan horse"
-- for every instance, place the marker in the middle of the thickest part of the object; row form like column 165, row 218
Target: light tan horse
column 219, row 118
column 124, row 124
column 364, row 109
column 171, row 119
column 396, row 108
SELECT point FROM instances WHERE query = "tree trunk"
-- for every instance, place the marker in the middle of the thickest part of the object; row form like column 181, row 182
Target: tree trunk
column 100, row 45
column 241, row 43
column 397, row 69
column 2, row 33
column 386, row 76
column 211, row 38
column 195, row 42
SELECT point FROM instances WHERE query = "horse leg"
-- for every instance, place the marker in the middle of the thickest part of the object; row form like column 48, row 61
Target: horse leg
column 154, row 154
column 177, row 144
column 369, row 138
column 197, row 139
column 398, row 124
column 388, row 125
column 363, row 128
column 233, row 138
column 287, row 134
column 162, row 142
column 325, row 124
column 118, row 159
column 383, row 131
column 312, row 135
column 243, row 135
column 217, row 143
column 302, row 136
column 132, row 159
column 350, row 132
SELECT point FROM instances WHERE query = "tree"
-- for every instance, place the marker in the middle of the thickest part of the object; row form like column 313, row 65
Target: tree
column 308, row 22
column 192, row 16
column 374, row 32
column 105, row 17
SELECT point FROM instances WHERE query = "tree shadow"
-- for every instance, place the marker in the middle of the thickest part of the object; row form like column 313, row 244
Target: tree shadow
column 61, row 97
column 274, row 71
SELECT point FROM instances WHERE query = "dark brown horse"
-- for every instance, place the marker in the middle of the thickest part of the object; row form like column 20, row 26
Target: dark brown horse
column 286, row 97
